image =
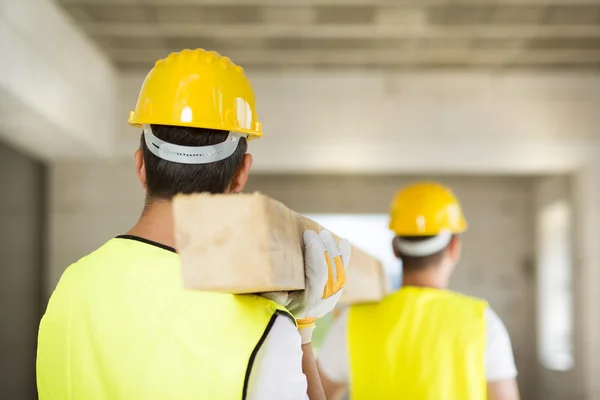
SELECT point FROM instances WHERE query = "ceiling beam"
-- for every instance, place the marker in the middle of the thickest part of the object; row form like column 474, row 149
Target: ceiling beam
column 49, row 105
column 489, row 156
column 362, row 57
column 296, row 3
column 341, row 31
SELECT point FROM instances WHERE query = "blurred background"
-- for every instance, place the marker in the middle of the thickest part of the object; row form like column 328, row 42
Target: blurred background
column 500, row 100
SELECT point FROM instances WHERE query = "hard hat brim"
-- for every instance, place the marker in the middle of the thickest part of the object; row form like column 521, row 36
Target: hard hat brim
column 252, row 134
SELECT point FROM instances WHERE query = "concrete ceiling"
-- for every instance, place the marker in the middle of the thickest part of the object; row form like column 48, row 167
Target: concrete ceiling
column 332, row 34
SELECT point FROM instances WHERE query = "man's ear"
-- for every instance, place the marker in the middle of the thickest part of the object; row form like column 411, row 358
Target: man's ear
column 455, row 248
column 140, row 168
column 240, row 178
column 394, row 247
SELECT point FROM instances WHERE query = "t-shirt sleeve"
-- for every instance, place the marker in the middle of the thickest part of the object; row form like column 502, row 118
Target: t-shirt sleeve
column 277, row 371
column 499, row 358
column 333, row 357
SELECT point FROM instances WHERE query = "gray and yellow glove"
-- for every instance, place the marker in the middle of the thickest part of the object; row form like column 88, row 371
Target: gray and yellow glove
column 325, row 264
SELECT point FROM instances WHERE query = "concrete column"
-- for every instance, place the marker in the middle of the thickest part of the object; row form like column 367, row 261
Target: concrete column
column 21, row 257
column 587, row 198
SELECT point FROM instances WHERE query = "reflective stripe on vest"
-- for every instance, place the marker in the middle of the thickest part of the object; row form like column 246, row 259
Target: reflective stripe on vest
column 418, row 344
column 119, row 326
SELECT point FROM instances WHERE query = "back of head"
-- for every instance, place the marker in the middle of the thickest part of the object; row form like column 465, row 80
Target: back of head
column 415, row 261
column 425, row 217
column 197, row 112
column 165, row 179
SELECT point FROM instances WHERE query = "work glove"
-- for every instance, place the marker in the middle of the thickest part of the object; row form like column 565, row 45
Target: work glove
column 325, row 264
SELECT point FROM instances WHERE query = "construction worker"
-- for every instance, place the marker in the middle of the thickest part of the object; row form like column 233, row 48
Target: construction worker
column 423, row 341
column 119, row 326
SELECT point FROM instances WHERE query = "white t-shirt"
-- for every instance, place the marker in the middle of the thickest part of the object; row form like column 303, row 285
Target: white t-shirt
column 277, row 370
column 499, row 359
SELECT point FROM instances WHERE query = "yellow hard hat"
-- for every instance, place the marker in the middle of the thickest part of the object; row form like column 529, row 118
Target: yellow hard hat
column 426, row 209
column 199, row 89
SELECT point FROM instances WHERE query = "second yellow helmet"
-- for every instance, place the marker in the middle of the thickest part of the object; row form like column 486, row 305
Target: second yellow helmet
column 199, row 89
column 426, row 209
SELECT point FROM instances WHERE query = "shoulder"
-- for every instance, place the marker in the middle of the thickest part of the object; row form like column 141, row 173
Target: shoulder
column 283, row 334
column 469, row 298
column 472, row 306
column 113, row 252
column 495, row 326
column 72, row 276
column 492, row 317
column 500, row 363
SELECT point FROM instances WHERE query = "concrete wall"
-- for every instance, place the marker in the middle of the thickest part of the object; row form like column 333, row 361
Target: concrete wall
column 436, row 122
column 21, row 259
column 91, row 203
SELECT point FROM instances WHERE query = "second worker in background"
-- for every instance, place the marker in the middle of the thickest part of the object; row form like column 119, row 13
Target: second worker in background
column 423, row 341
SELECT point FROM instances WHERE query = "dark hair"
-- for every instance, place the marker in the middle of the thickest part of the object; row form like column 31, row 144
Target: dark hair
column 412, row 263
column 165, row 179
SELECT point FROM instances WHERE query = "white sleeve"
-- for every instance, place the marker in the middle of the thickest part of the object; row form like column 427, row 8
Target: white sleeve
column 499, row 359
column 333, row 357
column 277, row 370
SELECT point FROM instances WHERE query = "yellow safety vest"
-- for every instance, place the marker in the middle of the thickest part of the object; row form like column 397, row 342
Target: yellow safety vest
column 119, row 326
column 418, row 344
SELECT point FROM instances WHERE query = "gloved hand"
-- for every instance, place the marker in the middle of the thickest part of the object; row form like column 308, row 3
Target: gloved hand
column 325, row 264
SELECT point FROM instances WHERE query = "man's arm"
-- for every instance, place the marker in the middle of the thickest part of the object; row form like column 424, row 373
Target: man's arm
column 326, row 264
column 309, row 367
column 505, row 389
column 325, row 277
column 333, row 390
column 334, row 364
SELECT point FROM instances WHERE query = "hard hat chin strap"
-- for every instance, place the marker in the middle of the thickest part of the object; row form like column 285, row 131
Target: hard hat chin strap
column 191, row 155
column 423, row 248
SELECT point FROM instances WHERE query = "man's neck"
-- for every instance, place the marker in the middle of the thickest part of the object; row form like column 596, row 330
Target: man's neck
column 156, row 223
column 428, row 277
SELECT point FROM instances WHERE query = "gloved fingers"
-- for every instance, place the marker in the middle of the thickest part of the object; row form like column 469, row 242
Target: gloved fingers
column 331, row 252
column 310, row 235
column 316, row 271
column 331, row 248
column 340, row 272
column 330, row 286
column 336, row 269
column 327, row 305
column 342, row 262
column 345, row 250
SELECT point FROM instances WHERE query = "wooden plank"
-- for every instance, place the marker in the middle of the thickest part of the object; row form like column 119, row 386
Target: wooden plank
column 250, row 243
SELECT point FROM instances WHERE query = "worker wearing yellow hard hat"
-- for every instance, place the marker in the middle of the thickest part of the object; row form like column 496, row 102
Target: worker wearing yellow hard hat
column 422, row 342
column 119, row 325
